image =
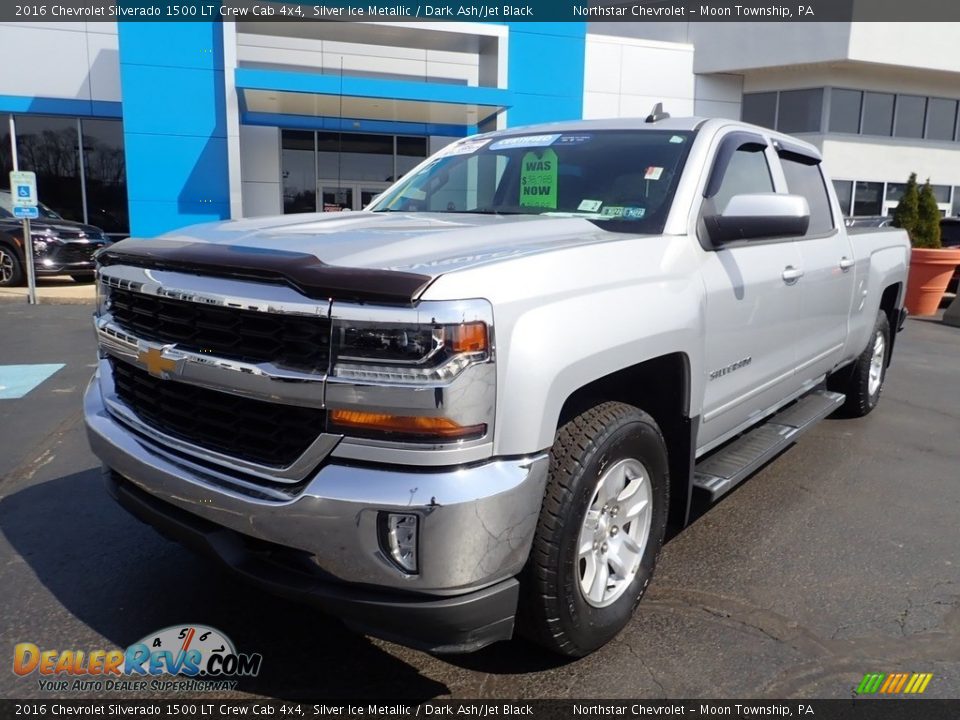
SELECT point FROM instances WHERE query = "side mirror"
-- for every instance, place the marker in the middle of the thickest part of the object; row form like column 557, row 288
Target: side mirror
column 759, row 215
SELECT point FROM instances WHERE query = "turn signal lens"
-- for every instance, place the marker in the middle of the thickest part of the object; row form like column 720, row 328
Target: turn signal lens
column 469, row 337
column 410, row 426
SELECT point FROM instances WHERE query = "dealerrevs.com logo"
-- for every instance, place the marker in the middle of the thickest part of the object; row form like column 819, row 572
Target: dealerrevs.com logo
column 203, row 655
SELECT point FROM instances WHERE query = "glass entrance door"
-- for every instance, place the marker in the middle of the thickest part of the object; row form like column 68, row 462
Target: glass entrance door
column 347, row 195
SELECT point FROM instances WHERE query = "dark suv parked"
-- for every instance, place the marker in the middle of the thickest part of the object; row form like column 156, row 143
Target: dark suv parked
column 950, row 237
column 60, row 247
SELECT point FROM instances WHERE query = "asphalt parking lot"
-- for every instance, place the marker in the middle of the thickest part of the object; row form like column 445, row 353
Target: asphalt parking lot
column 841, row 557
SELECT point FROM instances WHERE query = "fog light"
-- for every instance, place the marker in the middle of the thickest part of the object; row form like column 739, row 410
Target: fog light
column 398, row 539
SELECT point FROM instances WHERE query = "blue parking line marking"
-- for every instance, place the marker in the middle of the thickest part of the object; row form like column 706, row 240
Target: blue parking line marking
column 17, row 380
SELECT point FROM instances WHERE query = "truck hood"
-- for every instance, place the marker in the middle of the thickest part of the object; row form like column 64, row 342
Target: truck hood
column 388, row 257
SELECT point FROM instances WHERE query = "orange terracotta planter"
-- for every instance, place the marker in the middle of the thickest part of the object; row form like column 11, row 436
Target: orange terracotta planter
column 930, row 272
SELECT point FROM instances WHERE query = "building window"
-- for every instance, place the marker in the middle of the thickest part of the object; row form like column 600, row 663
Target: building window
column 845, row 110
column 105, row 171
column 877, row 114
column 91, row 188
column 941, row 119
column 344, row 171
column 799, row 111
column 911, row 113
column 298, row 163
column 804, row 178
column 48, row 146
column 941, row 193
column 868, row 198
column 760, row 109
column 844, row 191
column 410, row 152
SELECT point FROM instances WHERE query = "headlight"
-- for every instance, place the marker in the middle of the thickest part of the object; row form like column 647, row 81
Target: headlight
column 42, row 241
column 413, row 375
column 407, row 353
column 103, row 295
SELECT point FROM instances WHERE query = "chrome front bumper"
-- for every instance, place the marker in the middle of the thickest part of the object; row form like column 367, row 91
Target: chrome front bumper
column 476, row 523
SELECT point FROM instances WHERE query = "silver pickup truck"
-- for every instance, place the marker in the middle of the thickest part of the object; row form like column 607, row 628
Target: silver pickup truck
column 484, row 401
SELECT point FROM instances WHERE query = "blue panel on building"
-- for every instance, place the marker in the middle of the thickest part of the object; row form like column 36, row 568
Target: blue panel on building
column 545, row 73
column 193, row 44
column 180, row 168
column 186, row 101
column 174, row 124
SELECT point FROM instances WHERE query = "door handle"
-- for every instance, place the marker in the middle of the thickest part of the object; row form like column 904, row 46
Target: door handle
column 845, row 263
column 791, row 274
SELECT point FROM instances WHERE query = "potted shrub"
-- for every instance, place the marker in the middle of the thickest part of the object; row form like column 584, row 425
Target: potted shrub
column 931, row 266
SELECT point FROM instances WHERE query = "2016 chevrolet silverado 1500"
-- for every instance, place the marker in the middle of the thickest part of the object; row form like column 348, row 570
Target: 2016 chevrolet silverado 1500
column 482, row 401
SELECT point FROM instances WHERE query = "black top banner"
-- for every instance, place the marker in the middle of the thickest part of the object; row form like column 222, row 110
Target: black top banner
column 439, row 10
column 212, row 709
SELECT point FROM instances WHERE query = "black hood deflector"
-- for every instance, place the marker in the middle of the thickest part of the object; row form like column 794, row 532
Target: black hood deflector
column 307, row 274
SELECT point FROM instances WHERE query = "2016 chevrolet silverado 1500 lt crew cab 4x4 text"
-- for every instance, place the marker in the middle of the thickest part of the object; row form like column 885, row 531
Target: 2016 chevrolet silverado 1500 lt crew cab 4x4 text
column 482, row 401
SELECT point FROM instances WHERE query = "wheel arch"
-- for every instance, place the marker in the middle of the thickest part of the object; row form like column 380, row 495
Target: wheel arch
column 661, row 387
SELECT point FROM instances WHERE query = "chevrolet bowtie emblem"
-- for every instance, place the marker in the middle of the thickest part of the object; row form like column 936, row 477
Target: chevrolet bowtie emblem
column 156, row 364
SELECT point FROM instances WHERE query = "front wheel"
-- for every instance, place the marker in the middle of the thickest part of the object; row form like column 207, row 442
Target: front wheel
column 11, row 269
column 864, row 382
column 600, row 529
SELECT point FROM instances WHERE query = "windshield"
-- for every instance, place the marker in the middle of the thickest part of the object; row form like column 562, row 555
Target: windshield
column 622, row 180
column 6, row 207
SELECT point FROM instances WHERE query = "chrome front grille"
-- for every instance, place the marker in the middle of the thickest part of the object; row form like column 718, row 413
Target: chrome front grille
column 260, row 432
column 290, row 341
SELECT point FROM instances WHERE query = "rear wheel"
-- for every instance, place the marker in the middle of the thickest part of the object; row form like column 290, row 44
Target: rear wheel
column 11, row 269
column 864, row 382
column 600, row 529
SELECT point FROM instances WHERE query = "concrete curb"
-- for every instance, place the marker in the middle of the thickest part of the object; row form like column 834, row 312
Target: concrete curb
column 21, row 299
column 49, row 293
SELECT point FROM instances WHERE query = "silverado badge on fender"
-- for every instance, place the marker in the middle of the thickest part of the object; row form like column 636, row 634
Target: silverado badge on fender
column 731, row 367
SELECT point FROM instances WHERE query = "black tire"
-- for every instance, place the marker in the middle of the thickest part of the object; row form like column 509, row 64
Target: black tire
column 82, row 277
column 554, row 611
column 855, row 382
column 11, row 267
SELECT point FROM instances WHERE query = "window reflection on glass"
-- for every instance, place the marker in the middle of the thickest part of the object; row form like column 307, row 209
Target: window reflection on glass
column 800, row 111
column 844, row 191
column 298, row 171
column 868, row 199
column 354, row 156
column 941, row 118
column 336, row 199
column 410, row 152
column 877, row 113
column 48, row 147
column 956, row 202
column 911, row 113
column 105, row 171
column 941, row 193
column 845, row 110
column 760, row 108
column 6, row 159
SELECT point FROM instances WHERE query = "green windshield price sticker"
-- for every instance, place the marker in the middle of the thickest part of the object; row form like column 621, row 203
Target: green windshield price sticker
column 538, row 179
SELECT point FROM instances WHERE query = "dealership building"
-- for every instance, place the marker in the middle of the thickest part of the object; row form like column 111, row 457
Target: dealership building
column 142, row 127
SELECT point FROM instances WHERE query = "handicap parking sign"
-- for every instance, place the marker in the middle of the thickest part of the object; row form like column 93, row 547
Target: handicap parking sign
column 25, row 183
